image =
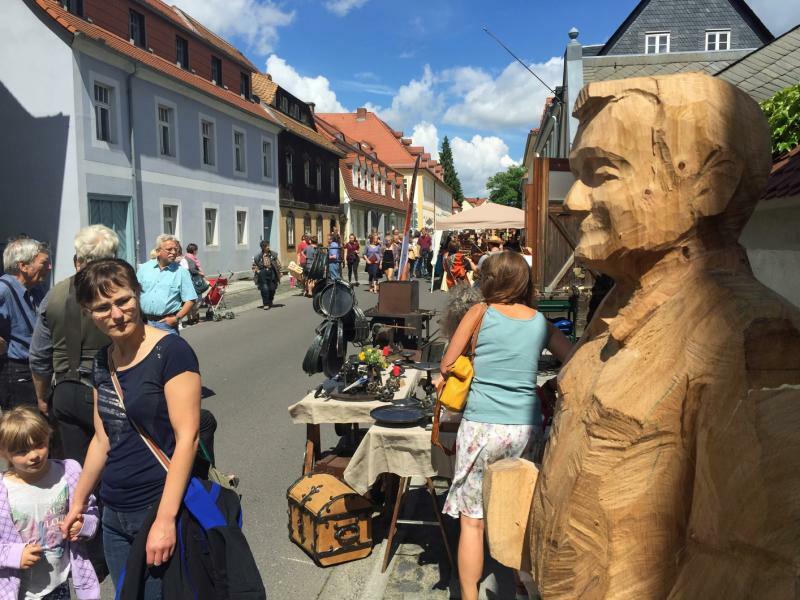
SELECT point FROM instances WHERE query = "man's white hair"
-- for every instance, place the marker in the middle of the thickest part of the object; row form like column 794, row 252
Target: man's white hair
column 23, row 250
column 95, row 242
column 164, row 237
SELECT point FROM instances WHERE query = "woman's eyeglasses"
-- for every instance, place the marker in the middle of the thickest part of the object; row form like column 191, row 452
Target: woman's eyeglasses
column 104, row 310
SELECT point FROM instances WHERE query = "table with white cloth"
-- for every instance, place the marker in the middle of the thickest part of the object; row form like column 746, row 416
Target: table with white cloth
column 403, row 451
column 313, row 412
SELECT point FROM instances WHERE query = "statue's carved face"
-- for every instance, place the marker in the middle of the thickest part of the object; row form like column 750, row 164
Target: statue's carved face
column 620, row 182
column 653, row 157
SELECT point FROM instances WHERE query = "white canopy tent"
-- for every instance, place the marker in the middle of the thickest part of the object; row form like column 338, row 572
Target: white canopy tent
column 486, row 216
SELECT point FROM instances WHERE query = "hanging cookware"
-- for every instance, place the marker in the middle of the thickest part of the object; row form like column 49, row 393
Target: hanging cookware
column 336, row 299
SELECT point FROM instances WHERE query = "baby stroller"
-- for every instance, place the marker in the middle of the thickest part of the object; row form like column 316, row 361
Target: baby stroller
column 214, row 300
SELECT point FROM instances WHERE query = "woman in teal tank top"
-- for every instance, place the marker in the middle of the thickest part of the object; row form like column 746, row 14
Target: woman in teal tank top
column 503, row 416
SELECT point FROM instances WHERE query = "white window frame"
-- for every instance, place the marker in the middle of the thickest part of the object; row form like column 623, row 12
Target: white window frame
column 214, row 148
column 214, row 246
column 714, row 34
column 243, row 172
column 656, row 35
column 246, row 237
column 163, row 202
column 173, row 132
column 270, row 174
column 392, row 186
column 115, row 118
column 356, row 173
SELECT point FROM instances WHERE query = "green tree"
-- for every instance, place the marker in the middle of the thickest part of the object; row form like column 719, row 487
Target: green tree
column 450, row 173
column 505, row 187
column 783, row 115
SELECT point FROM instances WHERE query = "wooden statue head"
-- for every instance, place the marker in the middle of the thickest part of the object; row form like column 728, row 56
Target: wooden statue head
column 663, row 162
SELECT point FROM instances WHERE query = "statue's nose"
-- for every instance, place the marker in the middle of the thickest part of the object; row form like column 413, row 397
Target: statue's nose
column 578, row 198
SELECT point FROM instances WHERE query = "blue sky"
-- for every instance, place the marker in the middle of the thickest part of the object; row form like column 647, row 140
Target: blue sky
column 427, row 67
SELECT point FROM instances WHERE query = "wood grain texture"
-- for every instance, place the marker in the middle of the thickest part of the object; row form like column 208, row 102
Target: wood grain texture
column 673, row 468
column 507, row 493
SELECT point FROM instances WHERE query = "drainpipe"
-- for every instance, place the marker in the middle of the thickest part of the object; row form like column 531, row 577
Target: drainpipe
column 134, row 165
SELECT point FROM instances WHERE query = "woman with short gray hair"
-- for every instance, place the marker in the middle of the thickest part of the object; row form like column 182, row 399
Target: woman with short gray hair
column 27, row 264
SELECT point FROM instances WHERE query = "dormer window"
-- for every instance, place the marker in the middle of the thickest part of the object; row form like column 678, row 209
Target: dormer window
column 244, row 85
column 74, row 6
column 719, row 39
column 216, row 70
column 137, row 33
column 295, row 112
column 656, row 42
column 391, row 188
column 284, row 105
column 181, row 52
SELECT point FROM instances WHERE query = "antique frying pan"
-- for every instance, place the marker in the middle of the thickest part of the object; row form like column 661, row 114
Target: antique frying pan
column 336, row 299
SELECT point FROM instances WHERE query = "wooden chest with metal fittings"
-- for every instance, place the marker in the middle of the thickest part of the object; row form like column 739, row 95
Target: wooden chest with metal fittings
column 329, row 520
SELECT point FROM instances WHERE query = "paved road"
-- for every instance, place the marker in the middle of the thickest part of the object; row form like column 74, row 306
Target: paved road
column 252, row 365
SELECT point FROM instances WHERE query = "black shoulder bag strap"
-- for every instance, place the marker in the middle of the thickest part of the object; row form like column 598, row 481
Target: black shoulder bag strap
column 73, row 332
column 18, row 302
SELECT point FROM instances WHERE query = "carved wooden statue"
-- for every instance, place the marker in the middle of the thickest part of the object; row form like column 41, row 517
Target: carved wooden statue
column 673, row 470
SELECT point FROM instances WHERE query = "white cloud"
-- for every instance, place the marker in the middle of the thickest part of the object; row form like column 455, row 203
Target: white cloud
column 426, row 134
column 779, row 15
column 255, row 22
column 342, row 7
column 309, row 89
column 416, row 101
column 511, row 100
column 478, row 159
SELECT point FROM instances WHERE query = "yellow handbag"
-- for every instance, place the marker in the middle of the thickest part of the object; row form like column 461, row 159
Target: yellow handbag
column 459, row 376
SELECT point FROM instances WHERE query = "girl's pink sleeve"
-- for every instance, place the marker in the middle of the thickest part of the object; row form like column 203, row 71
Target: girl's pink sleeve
column 11, row 545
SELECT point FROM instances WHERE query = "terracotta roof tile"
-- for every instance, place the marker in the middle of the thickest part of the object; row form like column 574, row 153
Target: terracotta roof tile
column 784, row 180
column 77, row 25
column 310, row 134
column 382, row 138
column 264, row 87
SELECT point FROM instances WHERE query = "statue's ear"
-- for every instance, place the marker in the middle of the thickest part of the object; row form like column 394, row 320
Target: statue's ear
column 716, row 183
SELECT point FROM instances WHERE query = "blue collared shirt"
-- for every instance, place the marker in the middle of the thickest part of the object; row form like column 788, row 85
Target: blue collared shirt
column 16, row 327
column 164, row 290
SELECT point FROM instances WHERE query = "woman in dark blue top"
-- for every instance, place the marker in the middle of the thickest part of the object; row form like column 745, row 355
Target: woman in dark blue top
column 160, row 381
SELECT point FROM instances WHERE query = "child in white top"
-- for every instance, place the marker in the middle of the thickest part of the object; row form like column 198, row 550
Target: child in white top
column 36, row 558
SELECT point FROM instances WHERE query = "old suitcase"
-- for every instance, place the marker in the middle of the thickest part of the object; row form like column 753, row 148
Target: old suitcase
column 329, row 520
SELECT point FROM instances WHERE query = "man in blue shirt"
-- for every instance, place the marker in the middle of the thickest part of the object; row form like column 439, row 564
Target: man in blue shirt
column 167, row 290
column 27, row 265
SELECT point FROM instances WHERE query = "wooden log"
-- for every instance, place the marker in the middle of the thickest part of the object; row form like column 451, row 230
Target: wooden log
column 507, row 493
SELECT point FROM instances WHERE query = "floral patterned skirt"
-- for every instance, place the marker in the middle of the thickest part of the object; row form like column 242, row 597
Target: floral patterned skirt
column 477, row 446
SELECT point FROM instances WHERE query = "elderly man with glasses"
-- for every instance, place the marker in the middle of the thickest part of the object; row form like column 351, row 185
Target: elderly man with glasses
column 167, row 290
column 27, row 265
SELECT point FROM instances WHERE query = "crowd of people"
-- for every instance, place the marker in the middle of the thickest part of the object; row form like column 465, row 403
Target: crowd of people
column 380, row 258
column 96, row 367
column 93, row 376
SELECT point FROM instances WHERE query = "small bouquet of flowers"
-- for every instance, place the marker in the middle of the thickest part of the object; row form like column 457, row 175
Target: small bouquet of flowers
column 373, row 357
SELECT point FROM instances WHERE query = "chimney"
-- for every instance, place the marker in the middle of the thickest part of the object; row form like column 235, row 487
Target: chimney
column 361, row 114
column 312, row 106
